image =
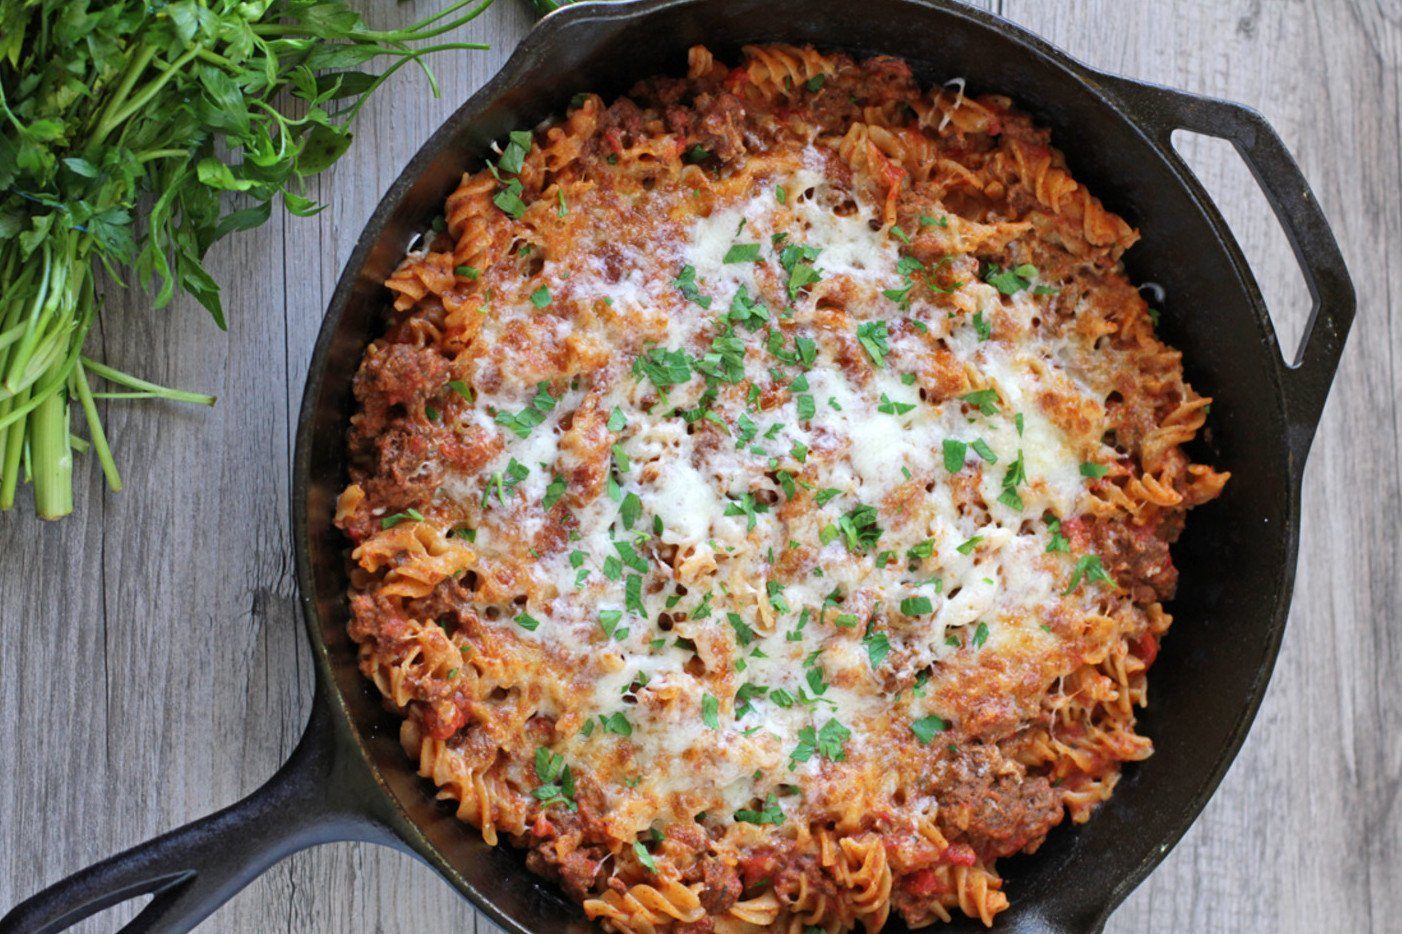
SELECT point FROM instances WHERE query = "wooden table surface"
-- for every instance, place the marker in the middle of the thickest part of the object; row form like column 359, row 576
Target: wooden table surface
column 136, row 695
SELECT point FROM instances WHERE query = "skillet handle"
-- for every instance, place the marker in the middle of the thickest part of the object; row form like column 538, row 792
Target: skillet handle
column 194, row 869
column 1160, row 111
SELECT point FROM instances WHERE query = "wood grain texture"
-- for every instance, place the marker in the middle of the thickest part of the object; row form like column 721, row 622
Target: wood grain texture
column 137, row 696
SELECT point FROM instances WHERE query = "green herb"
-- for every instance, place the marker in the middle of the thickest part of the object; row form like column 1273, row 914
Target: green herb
column 709, row 711
column 878, row 646
column 742, row 253
column 982, row 328
column 541, row 297
column 468, row 272
column 747, row 507
column 815, row 83
column 1058, row 541
column 770, row 814
column 1088, row 567
column 985, row 400
column 616, row 723
column 807, row 408
column 917, row 606
column 798, row 260
column 557, row 782
column 686, row 283
column 954, row 454
column 827, row 742
column 461, row 388
column 926, row 727
column 644, row 856
column 980, row 635
column 665, row 368
column 1010, row 281
column 1015, row 476
column 826, row 495
column 921, row 550
column 872, row 336
column 521, row 424
column 859, row 529
column 890, row 407
column 1094, row 471
column 967, row 548
column 982, row 449
column 617, row 420
column 128, row 131
column 630, row 509
column 527, row 621
column 389, row 522
column 553, row 492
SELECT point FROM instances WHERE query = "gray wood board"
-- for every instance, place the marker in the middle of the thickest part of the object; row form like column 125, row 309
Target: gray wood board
column 138, row 695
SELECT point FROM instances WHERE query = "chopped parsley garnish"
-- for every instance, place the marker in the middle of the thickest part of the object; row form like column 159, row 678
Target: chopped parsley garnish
column 389, row 522
column 710, row 708
column 741, row 253
column 917, row 606
column 798, row 261
column 926, row 728
column 891, row 407
column 872, row 336
column 467, row 272
column 461, row 388
column 807, row 408
column 541, row 297
column 553, row 491
column 747, row 507
column 985, row 400
column 825, row 495
column 617, row 420
column 815, row 83
column 900, row 234
column 644, row 856
column 527, row 622
column 859, row 528
column 771, row 813
column 1088, row 567
column 780, row 194
column 982, row 449
column 1015, row 475
column 980, row 635
column 982, row 328
column 1058, row 541
column 1010, row 281
column 633, row 595
column 967, row 548
column 557, row 782
column 509, row 200
column 686, row 283
column 616, row 723
column 921, row 550
column 878, row 646
column 954, row 454
column 502, row 484
column 827, row 742
column 608, row 621
column 534, row 414
column 1094, row 471
column 514, row 155
column 747, row 311
column 630, row 510
column 665, row 368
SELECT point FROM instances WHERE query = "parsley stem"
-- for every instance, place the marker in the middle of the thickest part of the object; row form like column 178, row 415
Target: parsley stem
column 155, row 389
column 52, row 457
column 79, row 381
column 112, row 121
column 14, row 446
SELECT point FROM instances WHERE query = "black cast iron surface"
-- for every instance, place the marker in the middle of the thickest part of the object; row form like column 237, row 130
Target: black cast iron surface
column 348, row 779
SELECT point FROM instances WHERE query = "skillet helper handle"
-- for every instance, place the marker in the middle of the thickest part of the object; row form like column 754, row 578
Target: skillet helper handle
column 1162, row 110
column 194, row 869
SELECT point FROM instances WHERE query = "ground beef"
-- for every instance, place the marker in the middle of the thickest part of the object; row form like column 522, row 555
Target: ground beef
column 1136, row 555
column 989, row 800
column 722, row 886
column 394, row 376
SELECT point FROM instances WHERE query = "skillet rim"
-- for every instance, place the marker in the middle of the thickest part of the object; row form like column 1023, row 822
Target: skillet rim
column 554, row 28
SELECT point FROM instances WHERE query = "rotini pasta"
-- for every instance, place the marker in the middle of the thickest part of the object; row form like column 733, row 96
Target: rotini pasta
column 762, row 497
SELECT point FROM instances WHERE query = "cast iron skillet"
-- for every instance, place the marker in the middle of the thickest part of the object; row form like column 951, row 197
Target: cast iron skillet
column 348, row 779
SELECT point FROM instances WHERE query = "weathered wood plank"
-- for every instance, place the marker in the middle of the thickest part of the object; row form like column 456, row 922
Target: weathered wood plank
column 139, row 696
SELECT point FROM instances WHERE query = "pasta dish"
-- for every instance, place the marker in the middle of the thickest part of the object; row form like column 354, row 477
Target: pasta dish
column 761, row 497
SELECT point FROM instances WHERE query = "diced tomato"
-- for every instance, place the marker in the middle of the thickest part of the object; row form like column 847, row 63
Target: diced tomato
column 442, row 719
column 756, row 868
column 543, row 829
column 959, row 854
column 924, row 883
column 1147, row 648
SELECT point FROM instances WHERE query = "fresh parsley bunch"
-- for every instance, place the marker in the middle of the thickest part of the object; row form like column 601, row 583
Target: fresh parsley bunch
column 133, row 135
